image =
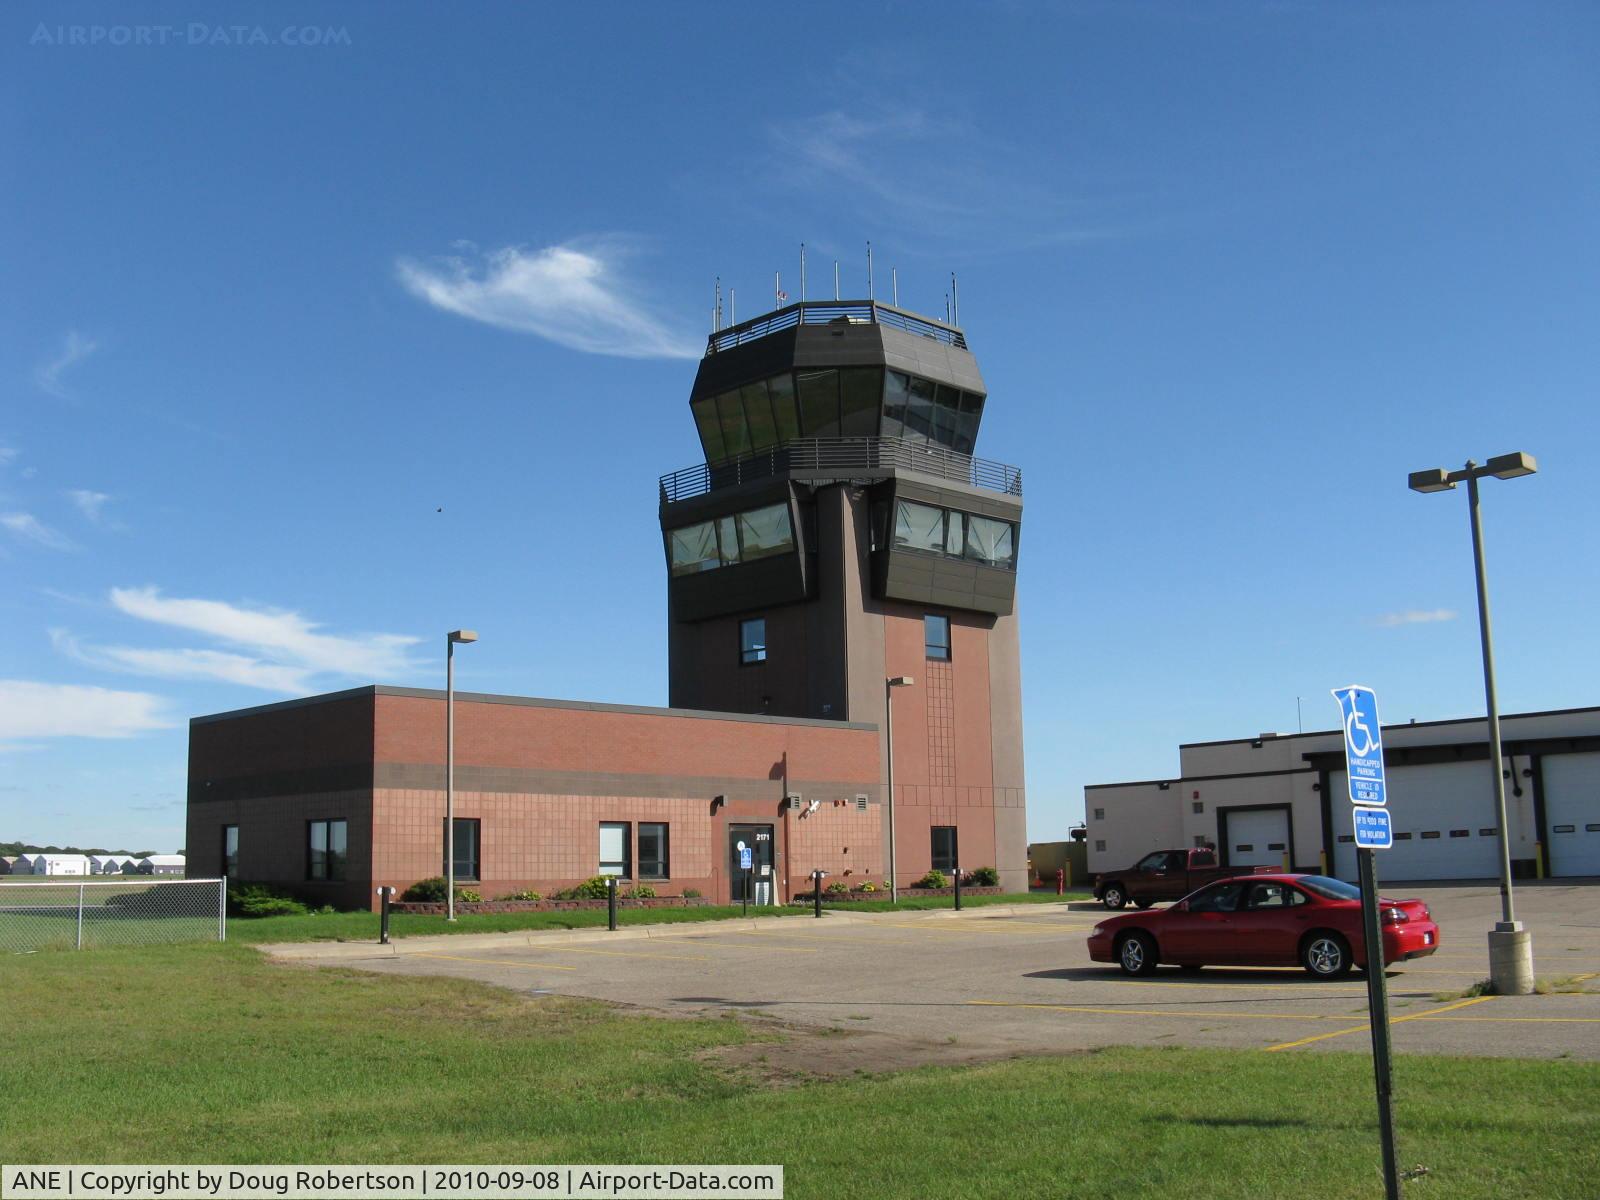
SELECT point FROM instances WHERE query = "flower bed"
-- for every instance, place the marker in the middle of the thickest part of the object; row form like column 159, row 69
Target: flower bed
column 516, row 906
column 906, row 893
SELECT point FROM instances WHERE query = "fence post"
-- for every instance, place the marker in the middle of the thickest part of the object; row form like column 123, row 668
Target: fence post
column 958, row 889
column 80, row 916
column 222, row 909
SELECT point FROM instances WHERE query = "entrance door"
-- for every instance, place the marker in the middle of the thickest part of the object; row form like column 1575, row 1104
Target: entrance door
column 761, row 876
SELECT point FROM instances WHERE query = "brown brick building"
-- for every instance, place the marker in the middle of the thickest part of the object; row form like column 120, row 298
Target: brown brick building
column 839, row 535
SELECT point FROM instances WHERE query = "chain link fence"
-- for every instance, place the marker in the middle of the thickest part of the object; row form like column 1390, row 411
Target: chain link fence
column 84, row 914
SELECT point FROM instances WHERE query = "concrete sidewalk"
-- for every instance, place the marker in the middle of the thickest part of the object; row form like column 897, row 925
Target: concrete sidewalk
column 516, row 938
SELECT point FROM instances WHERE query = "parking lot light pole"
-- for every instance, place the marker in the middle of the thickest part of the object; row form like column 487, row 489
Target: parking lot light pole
column 889, row 685
column 457, row 635
column 1510, row 945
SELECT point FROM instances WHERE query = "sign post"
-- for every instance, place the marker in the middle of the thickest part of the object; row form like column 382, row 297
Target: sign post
column 1363, row 756
column 744, row 865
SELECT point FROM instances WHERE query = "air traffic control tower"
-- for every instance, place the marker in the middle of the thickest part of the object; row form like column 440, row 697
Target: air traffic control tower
column 841, row 534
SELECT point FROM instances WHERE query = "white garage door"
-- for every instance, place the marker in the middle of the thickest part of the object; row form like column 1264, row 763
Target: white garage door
column 1259, row 838
column 1572, row 813
column 1444, row 824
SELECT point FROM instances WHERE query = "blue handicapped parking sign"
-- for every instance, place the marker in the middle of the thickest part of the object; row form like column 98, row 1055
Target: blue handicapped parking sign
column 1363, row 745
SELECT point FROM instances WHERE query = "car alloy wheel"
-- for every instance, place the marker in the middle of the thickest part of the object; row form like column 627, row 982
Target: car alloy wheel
column 1137, row 954
column 1113, row 897
column 1326, row 956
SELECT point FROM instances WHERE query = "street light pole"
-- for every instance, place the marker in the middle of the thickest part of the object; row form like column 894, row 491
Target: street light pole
column 458, row 635
column 1508, row 915
column 1510, row 945
column 889, row 685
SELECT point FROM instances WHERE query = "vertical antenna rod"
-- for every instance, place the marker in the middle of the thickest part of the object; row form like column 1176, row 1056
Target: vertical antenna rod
column 955, row 300
column 718, row 310
column 836, row 279
column 802, row 272
column 871, row 295
column 894, row 282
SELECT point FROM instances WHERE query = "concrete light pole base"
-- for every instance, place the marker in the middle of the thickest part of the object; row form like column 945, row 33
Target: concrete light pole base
column 1511, row 959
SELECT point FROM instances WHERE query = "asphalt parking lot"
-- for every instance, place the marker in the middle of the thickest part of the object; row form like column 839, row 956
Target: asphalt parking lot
column 1022, row 982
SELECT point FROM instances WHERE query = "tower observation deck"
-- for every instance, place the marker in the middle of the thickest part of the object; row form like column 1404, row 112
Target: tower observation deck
column 840, row 530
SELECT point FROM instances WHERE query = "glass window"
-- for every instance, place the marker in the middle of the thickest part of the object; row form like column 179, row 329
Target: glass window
column 1330, row 889
column 758, row 415
column 735, row 433
column 967, row 422
column 693, row 548
column 1150, row 862
column 896, row 393
column 327, row 849
column 819, row 403
column 614, row 839
column 764, row 532
column 653, row 851
column 1268, row 895
column 946, row 415
column 919, row 527
column 710, row 426
column 936, row 636
column 861, row 390
column 753, row 640
column 944, row 848
column 786, row 418
column 1220, row 897
column 728, row 539
column 991, row 542
column 919, row 409
column 464, row 846
column 954, row 542
column 230, row 851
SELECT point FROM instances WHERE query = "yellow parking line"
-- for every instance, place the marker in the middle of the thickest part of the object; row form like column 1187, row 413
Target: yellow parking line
column 828, row 937
column 1140, row 1012
column 964, row 927
column 747, row 946
column 499, row 962
column 1432, row 1012
column 626, row 953
column 1525, row 1020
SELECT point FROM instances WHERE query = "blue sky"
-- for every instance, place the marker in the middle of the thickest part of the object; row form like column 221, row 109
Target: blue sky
column 1230, row 272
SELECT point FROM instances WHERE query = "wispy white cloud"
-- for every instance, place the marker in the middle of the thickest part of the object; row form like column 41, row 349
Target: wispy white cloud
column 27, row 527
column 1417, row 616
column 187, row 664
column 75, row 347
column 8, row 455
column 29, row 709
column 273, row 649
column 90, row 504
column 571, row 295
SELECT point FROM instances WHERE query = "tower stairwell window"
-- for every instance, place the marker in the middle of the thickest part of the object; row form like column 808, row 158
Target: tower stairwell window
column 753, row 640
column 936, row 636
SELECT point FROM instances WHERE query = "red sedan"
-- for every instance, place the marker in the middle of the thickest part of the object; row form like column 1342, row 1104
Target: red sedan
column 1265, row 921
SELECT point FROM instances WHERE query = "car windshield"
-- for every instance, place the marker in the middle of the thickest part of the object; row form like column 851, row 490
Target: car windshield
column 1329, row 889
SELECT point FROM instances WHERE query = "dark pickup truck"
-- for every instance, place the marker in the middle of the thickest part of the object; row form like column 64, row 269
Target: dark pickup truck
column 1166, row 875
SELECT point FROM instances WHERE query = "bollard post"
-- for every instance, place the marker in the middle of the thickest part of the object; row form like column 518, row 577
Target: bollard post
column 222, row 909
column 1061, row 881
column 816, row 883
column 611, row 902
column 383, row 914
column 80, row 916
column 958, row 889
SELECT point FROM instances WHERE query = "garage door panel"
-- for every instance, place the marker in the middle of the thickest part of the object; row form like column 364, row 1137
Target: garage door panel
column 1572, row 813
column 1443, row 819
column 1258, row 838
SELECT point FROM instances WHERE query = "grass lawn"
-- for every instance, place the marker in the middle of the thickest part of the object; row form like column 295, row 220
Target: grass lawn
column 363, row 927
column 225, row 1057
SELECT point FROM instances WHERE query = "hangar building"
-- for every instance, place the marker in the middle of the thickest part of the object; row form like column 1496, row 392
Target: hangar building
column 1281, row 798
